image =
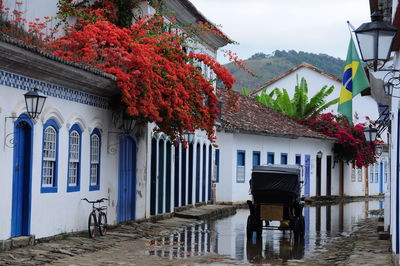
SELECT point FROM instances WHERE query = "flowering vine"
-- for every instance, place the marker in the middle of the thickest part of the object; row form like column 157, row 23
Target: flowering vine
column 159, row 81
column 351, row 144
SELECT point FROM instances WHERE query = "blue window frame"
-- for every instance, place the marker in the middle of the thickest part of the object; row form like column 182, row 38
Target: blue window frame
column 298, row 159
column 49, row 157
column 270, row 158
column 95, row 159
column 74, row 158
column 240, row 166
column 371, row 173
column 284, row 158
column 217, row 165
column 256, row 158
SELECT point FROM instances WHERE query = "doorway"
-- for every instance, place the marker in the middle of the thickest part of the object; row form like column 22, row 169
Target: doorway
column 22, row 177
column 127, row 179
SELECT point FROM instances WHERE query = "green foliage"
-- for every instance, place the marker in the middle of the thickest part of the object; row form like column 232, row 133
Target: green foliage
column 300, row 106
column 258, row 56
column 269, row 67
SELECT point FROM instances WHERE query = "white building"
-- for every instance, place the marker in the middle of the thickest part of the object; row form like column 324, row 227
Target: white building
column 360, row 183
column 76, row 148
column 257, row 135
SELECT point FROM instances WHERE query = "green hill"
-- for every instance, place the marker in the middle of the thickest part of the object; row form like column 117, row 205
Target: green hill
column 269, row 67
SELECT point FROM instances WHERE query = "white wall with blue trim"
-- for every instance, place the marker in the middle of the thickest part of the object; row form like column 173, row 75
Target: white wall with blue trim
column 56, row 210
column 229, row 189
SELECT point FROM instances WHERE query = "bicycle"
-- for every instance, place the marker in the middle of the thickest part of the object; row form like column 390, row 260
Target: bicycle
column 97, row 218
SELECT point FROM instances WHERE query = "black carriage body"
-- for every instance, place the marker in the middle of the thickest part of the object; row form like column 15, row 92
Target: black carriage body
column 276, row 196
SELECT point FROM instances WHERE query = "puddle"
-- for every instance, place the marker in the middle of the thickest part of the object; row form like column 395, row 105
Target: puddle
column 228, row 236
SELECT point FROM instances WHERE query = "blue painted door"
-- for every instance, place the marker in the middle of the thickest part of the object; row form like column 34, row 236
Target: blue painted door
column 153, row 177
column 21, row 194
column 307, row 176
column 160, row 178
column 127, row 179
column 381, row 178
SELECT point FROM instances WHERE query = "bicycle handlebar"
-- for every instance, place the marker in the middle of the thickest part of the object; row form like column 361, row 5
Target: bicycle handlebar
column 96, row 201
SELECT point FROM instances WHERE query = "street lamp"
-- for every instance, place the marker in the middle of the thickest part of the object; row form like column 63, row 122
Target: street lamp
column 379, row 149
column 375, row 40
column 370, row 133
column 128, row 122
column 34, row 102
column 189, row 136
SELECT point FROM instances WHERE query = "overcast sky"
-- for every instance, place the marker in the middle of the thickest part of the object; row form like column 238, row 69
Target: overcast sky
column 317, row 26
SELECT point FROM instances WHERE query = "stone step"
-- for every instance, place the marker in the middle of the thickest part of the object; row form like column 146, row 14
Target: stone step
column 207, row 212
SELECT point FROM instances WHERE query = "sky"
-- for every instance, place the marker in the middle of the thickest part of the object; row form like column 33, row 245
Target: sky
column 316, row 26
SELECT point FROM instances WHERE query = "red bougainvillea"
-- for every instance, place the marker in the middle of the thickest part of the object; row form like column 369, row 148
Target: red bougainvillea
column 351, row 144
column 159, row 81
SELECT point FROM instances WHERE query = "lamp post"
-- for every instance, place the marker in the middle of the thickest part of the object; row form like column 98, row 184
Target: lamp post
column 34, row 102
column 189, row 136
column 375, row 40
column 128, row 123
column 379, row 149
column 370, row 133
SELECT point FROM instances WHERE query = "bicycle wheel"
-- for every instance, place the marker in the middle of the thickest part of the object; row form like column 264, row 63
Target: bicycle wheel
column 102, row 223
column 92, row 225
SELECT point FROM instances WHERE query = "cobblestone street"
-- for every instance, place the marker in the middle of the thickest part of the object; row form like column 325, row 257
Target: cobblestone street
column 133, row 244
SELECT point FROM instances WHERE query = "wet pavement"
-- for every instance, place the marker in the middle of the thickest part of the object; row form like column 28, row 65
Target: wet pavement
column 182, row 241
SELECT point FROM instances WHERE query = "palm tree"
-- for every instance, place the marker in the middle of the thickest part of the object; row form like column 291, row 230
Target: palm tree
column 300, row 106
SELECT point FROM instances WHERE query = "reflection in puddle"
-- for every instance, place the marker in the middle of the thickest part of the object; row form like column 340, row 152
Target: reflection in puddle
column 228, row 236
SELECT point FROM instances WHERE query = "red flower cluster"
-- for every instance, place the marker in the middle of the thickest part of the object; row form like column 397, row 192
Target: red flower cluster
column 351, row 144
column 233, row 57
column 156, row 81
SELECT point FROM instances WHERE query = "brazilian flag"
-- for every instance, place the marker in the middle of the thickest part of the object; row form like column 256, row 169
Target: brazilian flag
column 354, row 81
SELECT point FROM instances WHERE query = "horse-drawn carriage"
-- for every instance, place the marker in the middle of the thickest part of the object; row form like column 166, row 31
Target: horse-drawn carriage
column 276, row 197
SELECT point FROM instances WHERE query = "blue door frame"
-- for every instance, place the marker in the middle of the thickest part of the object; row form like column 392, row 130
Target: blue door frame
column 168, row 177
column 22, row 177
column 381, row 177
column 197, row 183
column 127, row 179
column 204, row 171
column 153, row 176
column 307, row 176
column 397, row 213
column 160, row 177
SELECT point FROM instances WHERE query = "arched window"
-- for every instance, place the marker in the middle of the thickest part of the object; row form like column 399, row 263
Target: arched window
column 49, row 157
column 95, row 146
column 74, row 159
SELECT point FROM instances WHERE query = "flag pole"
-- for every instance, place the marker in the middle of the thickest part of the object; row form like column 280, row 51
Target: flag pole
column 351, row 30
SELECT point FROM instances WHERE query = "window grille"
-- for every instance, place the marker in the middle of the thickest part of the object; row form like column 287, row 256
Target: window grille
column 74, row 156
column 94, row 159
column 377, row 173
column 240, row 167
column 49, row 156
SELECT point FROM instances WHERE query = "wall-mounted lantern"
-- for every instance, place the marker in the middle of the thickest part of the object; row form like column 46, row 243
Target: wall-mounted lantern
column 189, row 136
column 34, row 102
column 128, row 123
column 379, row 149
column 375, row 40
column 319, row 154
column 370, row 133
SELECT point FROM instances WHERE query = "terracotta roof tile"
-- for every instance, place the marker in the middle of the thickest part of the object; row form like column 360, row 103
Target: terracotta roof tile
column 255, row 118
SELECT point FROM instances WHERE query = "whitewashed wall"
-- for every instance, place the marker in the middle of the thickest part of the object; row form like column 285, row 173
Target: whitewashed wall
column 362, row 105
column 228, row 190
column 49, row 210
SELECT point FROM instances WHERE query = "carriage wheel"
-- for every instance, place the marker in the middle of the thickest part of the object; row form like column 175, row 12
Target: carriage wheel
column 299, row 228
column 302, row 227
column 249, row 228
column 259, row 228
